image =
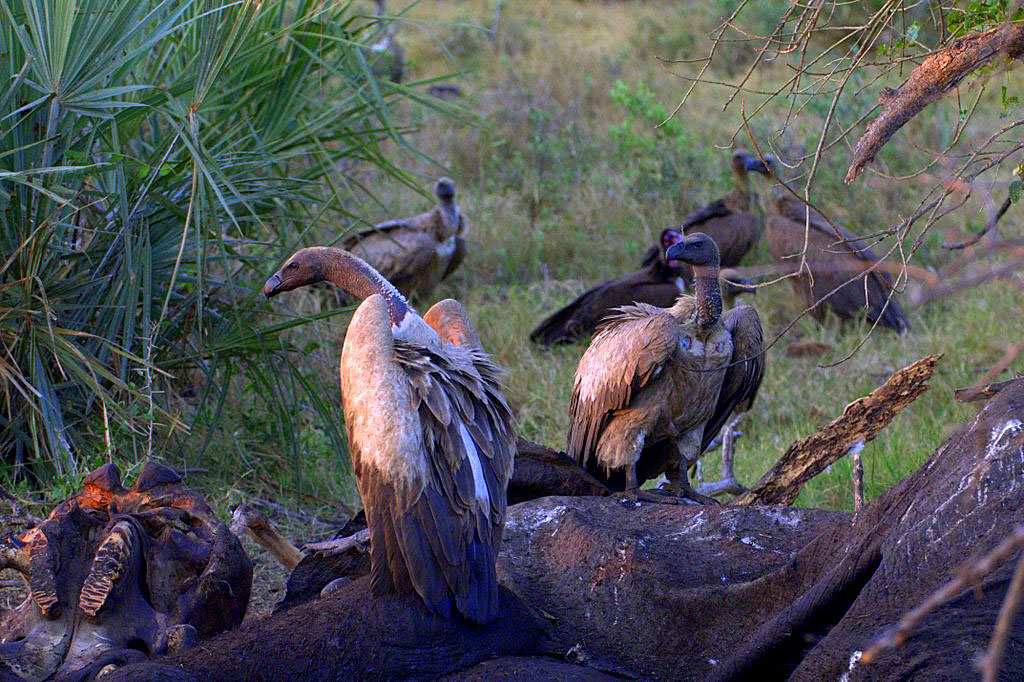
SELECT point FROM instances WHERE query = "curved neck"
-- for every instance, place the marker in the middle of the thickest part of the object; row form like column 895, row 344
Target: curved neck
column 358, row 278
column 708, row 295
column 744, row 192
column 450, row 214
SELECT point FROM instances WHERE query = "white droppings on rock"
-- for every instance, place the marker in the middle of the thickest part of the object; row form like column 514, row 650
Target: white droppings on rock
column 533, row 519
column 783, row 516
column 854, row 657
column 1011, row 427
column 712, row 661
column 747, row 540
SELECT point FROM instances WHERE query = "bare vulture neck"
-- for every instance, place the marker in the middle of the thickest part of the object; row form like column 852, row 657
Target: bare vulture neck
column 357, row 278
column 708, row 295
column 744, row 192
column 450, row 214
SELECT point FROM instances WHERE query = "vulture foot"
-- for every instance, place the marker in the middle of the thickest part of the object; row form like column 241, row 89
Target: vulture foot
column 683, row 493
column 654, row 496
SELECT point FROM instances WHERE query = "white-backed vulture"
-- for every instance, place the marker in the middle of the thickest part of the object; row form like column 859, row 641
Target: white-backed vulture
column 655, row 374
column 834, row 258
column 415, row 254
column 732, row 221
column 430, row 434
column 658, row 283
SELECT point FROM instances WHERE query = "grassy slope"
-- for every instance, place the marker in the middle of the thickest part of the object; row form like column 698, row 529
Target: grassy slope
column 561, row 58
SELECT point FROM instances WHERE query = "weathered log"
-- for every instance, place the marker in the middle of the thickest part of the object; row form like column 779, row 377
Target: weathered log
column 860, row 423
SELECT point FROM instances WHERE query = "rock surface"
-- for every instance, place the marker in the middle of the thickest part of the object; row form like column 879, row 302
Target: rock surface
column 607, row 589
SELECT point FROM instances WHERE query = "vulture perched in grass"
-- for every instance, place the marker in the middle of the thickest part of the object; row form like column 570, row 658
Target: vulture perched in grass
column 658, row 283
column 665, row 374
column 430, row 434
column 835, row 257
column 416, row 253
column 732, row 221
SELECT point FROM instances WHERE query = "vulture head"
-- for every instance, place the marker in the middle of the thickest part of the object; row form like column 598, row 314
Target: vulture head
column 734, row 284
column 697, row 249
column 743, row 162
column 445, row 190
column 306, row 266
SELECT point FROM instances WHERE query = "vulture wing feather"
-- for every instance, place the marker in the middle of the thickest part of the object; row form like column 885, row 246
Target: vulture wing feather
column 742, row 380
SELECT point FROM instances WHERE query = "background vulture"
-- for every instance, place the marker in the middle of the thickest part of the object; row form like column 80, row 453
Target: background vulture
column 659, row 283
column 835, row 256
column 656, row 374
column 416, row 253
column 430, row 434
column 732, row 221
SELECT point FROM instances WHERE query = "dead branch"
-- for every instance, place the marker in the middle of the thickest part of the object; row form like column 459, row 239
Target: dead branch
column 861, row 421
column 248, row 520
column 1012, row 351
column 972, row 393
column 968, row 576
column 981, row 276
column 359, row 541
column 932, row 80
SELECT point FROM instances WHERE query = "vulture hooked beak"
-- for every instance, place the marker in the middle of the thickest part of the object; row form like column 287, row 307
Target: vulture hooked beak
column 756, row 165
column 739, row 285
column 273, row 285
column 696, row 249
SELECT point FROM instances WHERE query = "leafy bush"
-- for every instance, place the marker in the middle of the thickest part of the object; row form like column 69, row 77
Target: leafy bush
column 157, row 159
column 657, row 154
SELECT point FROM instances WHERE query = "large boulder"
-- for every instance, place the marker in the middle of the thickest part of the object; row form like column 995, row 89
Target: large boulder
column 607, row 588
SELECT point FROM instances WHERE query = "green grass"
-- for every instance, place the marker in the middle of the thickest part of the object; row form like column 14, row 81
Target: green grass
column 555, row 201
column 564, row 181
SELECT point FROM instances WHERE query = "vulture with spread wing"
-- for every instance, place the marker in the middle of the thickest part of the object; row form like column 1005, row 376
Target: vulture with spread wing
column 430, row 434
column 842, row 270
column 415, row 254
column 664, row 374
column 658, row 283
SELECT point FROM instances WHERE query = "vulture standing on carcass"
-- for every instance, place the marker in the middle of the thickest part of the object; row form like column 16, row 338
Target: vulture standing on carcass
column 430, row 434
column 416, row 253
column 835, row 256
column 659, row 283
column 732, row 221
column 665, row 374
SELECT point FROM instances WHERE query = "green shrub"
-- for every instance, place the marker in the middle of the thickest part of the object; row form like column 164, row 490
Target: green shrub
column 157, row 160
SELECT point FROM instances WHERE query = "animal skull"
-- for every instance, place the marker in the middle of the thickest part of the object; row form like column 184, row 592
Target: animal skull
column 115, row 575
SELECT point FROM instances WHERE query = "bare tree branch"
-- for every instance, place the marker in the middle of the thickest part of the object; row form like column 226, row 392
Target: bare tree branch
column 932, row 80
column 860, row 422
